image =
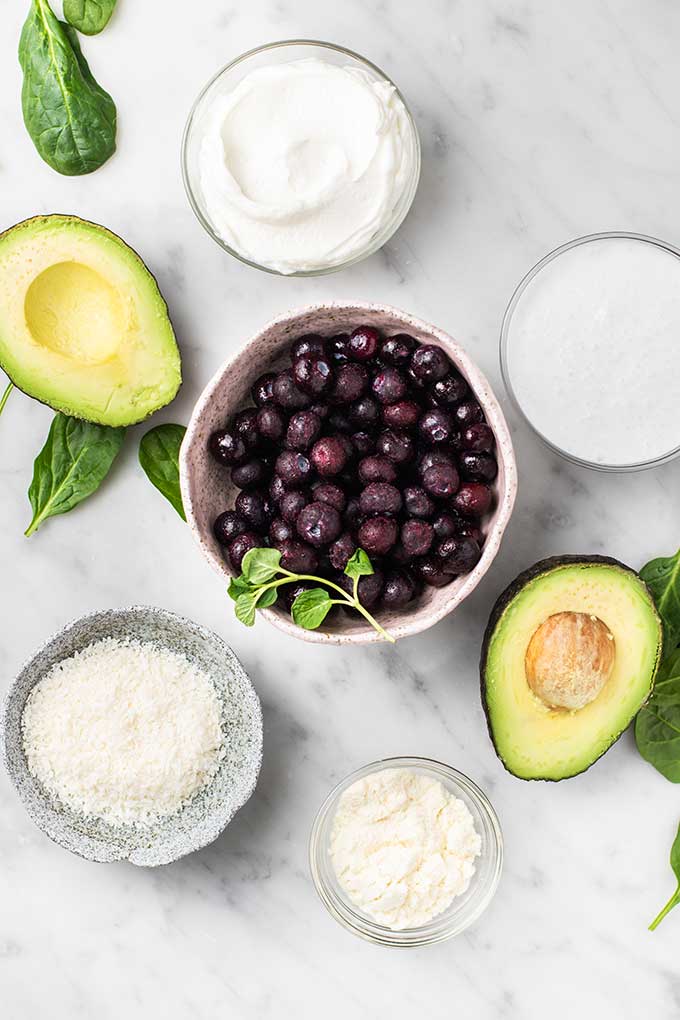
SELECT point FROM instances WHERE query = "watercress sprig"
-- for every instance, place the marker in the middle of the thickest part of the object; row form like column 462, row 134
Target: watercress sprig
column 675, row 898
column 262, row 575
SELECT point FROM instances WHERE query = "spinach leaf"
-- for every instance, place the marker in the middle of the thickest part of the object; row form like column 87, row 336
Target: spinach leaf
column 311, row 608
column 70, row 118
column 159, row 457
column 359, row 565
column 260, row 565
column 675, row 898
column 657, row 727
column 662, row 577
column 89, row 16
column 72, row 464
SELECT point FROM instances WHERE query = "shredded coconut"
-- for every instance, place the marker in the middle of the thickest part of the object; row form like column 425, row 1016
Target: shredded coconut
column 403, row 847
column 124, row 731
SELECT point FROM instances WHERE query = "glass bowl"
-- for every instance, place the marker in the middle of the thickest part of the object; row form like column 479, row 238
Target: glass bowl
column 227, row 78
column 464, row 909
column 506, row 349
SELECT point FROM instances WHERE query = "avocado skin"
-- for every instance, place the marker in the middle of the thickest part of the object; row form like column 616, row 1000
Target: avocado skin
column 500, row 605
column 47, row 217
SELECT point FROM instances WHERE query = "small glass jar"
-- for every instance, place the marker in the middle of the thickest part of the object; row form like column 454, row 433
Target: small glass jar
column 230, row 76
column 462, row 911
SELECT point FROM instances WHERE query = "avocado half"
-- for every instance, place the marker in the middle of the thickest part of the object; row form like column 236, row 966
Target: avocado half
column 83, row 325
column 536, row 740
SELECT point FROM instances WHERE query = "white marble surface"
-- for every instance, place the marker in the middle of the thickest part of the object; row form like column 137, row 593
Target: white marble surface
column 540, row 121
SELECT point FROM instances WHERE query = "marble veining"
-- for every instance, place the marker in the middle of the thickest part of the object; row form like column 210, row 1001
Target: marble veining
column 540, row 121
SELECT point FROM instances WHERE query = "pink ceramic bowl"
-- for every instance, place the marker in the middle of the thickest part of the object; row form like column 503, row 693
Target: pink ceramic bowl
column 206, row 490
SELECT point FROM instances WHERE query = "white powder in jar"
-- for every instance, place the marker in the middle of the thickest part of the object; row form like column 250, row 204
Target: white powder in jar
column 124, row 731
column 403, row 847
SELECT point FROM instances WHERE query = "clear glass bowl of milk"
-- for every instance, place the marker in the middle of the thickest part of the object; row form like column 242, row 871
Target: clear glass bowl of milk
column 590, row 351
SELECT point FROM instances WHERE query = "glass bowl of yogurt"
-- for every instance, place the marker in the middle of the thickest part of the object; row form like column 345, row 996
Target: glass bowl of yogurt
column 406, row 852
column 590, row 354
column 300, row 158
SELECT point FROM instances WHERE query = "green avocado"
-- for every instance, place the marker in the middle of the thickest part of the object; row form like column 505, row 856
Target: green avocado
column 83, row 325
column 569, row 657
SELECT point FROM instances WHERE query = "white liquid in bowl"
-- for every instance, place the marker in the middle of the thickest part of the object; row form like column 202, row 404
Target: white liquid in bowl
column 593, row 351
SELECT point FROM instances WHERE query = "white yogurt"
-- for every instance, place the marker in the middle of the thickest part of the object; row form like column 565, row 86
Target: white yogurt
column 593, row 351
column 303, row 163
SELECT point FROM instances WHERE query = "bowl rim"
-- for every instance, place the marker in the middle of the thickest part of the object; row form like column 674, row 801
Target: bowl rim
column 439, row 928
column 413, row 623
column 136, row 856
column 505, row 354
column 379, row 239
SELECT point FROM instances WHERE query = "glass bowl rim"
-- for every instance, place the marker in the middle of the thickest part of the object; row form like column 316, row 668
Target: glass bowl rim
column 381, row 238
column 437, row 930
column 519, row 290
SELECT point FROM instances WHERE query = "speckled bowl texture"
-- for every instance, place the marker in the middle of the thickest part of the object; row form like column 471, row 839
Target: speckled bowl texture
column 204, row 818
column 207, row 491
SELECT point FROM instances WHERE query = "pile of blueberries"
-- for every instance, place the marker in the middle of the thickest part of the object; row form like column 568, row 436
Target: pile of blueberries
column 366, row 442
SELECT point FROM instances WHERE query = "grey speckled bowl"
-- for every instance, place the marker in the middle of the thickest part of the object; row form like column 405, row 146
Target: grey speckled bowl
column 204, row 818
column 206, row 489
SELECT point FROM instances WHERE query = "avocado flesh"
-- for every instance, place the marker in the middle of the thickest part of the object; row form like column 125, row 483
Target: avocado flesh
column 83, row 325
column 533, row 740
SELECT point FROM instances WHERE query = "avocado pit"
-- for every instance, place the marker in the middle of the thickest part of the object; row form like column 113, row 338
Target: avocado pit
column 569, row 659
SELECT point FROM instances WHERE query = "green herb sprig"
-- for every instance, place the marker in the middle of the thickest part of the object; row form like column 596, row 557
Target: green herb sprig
column 262, row 575
column 675, row 898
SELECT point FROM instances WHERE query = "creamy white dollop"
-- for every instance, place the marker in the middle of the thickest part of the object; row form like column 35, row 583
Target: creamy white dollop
column 302, row 164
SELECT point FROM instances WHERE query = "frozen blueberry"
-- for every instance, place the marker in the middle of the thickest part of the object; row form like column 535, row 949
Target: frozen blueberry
column 445, row 525
column 329, row 492
column 310, row 343
column 435, row 426
column 432, row 458
column 293, row 468
column 270, row 423
column 227, row 526
column 254, row 508
column 449, row 390
column 313, row 374
column 473, row 498
column 240, row 545
column 303, row 430
column 351, row 380
column 341, row 551
column 416, row 537
column 329, row 456
column 377, row 535
column 227, row 447
column 479, row 438
column 318, row 523
column 480, row 467
column 380, row 498
column 399, row 589
column 369, row 590
column 337, row 348
column 245, row 425
column 250, row 474
column 468, row 413
column 429, row 569
column 389, row 385
column 298, row 557
column 280, row 531
column 288, row 394
column 441, row 481
column 276, row 489
column 292, row 503
column 458, row 554
column 363, row 343
column 397, row 350
column 262, row 390
column 417, row 503
column 363, row 443
column 429, row 363
column 364, row 412
column 376, row 469
column 402, row 415
column 397, row 446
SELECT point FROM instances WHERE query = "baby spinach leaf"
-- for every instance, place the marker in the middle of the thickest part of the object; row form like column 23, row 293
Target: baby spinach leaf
column 657, row 726
column 311, row 608
column 245, row 607
column 267, row 598
column 359, row 565
column 260, row 565
column 70, row 118
column 662, row 577
column 675, row 898
column 89, row 16
column 239, row 586
column 72, row 464
column 159, row 457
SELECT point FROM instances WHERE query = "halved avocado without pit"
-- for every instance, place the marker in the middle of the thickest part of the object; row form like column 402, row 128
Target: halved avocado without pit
column 83, row 325
column 569, row 657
